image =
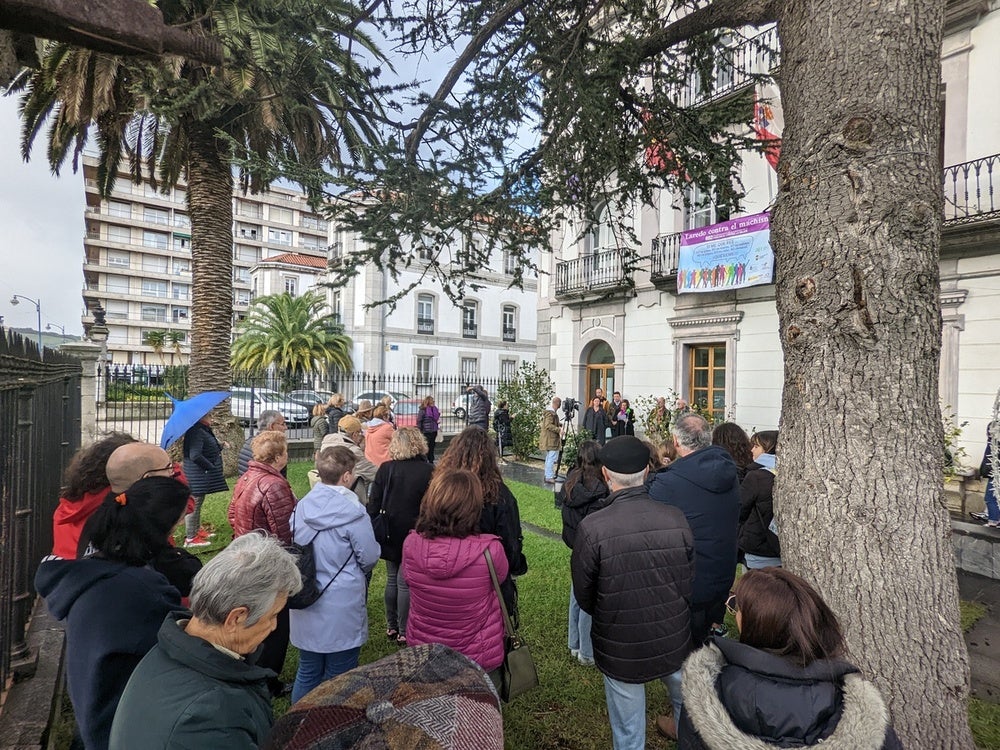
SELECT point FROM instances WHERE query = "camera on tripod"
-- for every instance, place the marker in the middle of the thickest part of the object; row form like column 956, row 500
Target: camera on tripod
column 569, row 407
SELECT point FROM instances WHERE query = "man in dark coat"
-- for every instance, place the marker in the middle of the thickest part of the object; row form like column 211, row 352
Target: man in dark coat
column 632, row 566
column 702, row 482
column 479, row 407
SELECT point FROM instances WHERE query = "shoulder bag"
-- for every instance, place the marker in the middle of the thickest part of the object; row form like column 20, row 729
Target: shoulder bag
column 305, row 560
column 380, row 523
column 518, row 674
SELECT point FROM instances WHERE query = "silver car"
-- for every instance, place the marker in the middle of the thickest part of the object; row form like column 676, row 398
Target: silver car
column 262, row 400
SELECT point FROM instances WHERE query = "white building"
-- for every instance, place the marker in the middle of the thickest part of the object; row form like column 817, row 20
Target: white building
column 722, row 349
column 137, row 258
column 425, row 334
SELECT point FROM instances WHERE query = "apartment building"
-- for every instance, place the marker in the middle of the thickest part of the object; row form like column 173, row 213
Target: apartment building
column 137, row 259
column 487, row 334
column 721, row 349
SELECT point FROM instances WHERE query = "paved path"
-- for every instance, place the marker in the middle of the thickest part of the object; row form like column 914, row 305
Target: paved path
column 983, row 640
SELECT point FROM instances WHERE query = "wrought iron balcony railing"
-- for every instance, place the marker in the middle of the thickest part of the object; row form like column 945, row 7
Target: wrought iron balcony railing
column 664, row 253
column 969, row 191
column 469, row 330
column 425, row 326
column 601, row 271
column 509, row 334
column 736, row 66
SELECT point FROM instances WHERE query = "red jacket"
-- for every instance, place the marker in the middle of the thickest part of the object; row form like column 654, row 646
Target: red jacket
column 452, row 599
column 68, row 521
column 262, row 499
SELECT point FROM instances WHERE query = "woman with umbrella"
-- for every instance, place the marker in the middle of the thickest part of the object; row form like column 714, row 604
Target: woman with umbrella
column 202, row 456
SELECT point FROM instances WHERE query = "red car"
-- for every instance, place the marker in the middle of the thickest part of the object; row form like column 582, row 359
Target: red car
column 406, row 411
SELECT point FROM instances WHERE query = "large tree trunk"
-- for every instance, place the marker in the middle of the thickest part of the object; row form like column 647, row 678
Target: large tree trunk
column 856, row 232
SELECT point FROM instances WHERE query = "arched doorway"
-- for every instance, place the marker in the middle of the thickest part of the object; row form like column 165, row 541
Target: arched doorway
column 600, row 369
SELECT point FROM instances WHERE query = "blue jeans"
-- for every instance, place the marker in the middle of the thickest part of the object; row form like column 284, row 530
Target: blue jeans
column 550, row 464
column 627, row 713
column 315, row 669
column 397, row 597
column 990, row 498
column 756, row 562
column 579, row 629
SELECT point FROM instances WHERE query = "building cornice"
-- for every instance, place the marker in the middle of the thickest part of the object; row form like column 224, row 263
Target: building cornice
column 728, row 318
column 953, row 297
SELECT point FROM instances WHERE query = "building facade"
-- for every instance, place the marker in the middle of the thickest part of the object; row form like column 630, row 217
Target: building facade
column 721, row 349
column 137, row 260
column 485, row 335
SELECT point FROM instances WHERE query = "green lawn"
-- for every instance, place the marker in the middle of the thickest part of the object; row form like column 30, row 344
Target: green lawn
column 567, row 710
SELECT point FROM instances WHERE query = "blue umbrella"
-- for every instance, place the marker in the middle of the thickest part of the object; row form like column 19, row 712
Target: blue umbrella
column 186, row 413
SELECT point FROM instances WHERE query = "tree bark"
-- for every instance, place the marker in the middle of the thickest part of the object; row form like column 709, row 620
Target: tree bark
column 856, row 231
column 210, row 207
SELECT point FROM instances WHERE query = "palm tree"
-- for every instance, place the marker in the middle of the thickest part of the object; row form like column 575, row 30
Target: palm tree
column 156, row 339
column 291, row 91
column 296, row 335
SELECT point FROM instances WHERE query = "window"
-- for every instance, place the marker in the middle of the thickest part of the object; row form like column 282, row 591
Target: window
column 119, row 234
column 182, row 243
column 469, row 315
column 507, row 369
column 155, row 215
column 602, row 235
column 313, row 222
column 118, row 284
column 423, row 366
column 425, row 252
column 179, row 314
column 181, row 291
column 469, row 369
column 122, row 210
column 509, row 263
column 311, row 242
column 707, row 381
column 154, row 263
column 241, row 297
column 182, row 220
column 246, row 208
column 181, row 266
column 118, row 258
column 246, row 253
column 336, row 307
column 291, row 285
column 151, row 288
column 149, row 191
column 280, row 215
column 279, row 237
column 700, row 210
column 155, row 239
column 425, row 314
column 115, row 308
column 241, row 275
column 509, row 315
column 154, row 313
column 248, row 231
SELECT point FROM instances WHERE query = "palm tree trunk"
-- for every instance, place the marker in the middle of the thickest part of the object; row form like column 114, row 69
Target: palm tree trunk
column 210, row 207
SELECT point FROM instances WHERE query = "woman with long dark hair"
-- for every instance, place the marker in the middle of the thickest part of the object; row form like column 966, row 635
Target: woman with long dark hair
column 583, row 492
column 758, row 535
column 113, row 602
column 452, row 597
column 785, row 683
column 473, row 450
column 733, row 438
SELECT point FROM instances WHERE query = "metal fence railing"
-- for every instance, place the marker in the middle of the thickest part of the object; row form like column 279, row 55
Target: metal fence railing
column 133, row 398
column 970, row 191
column 39, row 432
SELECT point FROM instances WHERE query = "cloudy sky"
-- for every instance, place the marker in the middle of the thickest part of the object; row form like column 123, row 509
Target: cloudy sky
column 41, row 245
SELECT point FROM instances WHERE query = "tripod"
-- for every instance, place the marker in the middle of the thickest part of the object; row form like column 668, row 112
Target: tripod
column 568, row 428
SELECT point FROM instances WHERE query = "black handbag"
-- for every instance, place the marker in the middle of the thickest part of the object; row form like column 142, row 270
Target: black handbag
column 380, row 523
column 305, row 560
column 518, row 673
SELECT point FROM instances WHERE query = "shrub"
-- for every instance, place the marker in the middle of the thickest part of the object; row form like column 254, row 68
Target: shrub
column 527, row 395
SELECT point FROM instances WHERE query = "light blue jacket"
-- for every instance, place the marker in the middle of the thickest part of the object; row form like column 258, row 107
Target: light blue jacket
column 339, row 619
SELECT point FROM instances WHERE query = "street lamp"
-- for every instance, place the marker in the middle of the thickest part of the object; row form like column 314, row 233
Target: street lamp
column 62, row 329
column 38, row 309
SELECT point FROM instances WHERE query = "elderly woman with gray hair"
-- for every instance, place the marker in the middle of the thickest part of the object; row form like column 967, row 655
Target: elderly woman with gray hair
column 196, row 688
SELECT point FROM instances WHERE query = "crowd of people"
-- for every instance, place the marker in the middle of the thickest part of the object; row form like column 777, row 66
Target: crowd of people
column 165, row 652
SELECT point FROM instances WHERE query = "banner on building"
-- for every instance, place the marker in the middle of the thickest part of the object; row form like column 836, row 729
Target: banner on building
column 730, row 255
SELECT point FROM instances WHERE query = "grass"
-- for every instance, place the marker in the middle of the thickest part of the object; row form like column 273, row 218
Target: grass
column 567, row 710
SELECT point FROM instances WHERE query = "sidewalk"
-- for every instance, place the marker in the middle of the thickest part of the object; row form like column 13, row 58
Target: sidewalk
column 984, row 658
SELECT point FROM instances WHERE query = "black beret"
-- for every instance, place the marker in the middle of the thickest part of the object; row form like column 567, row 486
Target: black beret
column 625, row 455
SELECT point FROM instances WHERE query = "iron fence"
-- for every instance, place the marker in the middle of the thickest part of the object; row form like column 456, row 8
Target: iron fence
column 969, row 191
column 134, row 398
column 39, row 432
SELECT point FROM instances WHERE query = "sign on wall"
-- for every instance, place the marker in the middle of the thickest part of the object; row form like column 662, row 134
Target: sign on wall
column 730, row 255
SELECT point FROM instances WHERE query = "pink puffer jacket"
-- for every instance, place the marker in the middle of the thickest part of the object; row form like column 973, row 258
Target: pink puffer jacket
column 377, row 439
column 452, row 600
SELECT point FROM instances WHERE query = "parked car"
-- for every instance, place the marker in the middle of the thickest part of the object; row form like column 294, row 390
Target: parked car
column 263, row 399
column 461, row 406
column 309, row 398
column 406, row 411
column 376, row 396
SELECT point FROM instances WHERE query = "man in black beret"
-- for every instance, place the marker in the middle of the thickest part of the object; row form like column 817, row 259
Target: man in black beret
column 632, row 565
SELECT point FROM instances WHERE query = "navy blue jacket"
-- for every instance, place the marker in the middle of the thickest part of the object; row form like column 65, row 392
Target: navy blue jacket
column 203, row 461
column 112, row 613
column 705, row 487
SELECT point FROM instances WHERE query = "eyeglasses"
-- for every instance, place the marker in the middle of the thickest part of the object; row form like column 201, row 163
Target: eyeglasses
column 169, row 467
column 731, row 604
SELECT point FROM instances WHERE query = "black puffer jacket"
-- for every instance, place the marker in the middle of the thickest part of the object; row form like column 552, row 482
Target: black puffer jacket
column 585, row 497
column 736, row 696
column 397, row 491
column 203, row 461
column 333, row 415
column 632, row 567
column 757, row 512
column 503, row 518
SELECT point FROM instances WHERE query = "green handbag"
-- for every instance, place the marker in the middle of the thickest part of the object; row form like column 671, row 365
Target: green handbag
column 518, row 674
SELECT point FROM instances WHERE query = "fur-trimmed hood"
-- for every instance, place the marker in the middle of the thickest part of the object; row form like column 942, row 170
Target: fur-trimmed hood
column 735, row 694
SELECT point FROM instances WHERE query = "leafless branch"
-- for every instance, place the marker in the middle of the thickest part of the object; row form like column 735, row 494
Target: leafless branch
column 717, row 14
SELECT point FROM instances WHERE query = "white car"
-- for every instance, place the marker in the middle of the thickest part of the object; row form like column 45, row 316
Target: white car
column 264, row 399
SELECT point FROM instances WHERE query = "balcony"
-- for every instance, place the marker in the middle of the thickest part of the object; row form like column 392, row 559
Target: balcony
column 601, row 273
column 469, row 330
column 425, row 326
column 736, row 67
column 969, row 191
column 664, row 254
column 509, row 334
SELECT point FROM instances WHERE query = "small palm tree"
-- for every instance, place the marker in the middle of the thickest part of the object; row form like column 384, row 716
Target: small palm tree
column 295, row 335
column 156, row 339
